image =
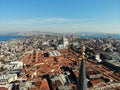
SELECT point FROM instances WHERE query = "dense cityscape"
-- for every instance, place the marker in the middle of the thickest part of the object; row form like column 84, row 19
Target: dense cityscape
column 59, row 44
column 60, row 62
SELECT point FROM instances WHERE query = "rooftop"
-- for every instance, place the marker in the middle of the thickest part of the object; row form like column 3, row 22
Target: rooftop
column 95, row 82
column 114, row 62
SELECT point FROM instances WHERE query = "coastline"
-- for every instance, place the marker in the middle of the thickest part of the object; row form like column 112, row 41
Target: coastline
column 10, row 37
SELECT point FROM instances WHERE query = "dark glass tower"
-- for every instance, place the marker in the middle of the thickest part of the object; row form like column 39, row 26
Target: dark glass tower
column 82, row 81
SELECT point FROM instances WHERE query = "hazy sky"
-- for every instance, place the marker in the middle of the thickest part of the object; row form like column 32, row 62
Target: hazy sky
column 60, row 15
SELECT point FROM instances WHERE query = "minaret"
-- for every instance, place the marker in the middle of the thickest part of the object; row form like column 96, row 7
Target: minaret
column 82, row 82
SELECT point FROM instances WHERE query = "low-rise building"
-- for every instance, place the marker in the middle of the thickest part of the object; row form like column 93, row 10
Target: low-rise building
column 16, row 65
column 93, row 74
column 113, row 64
column 52, row 53
column 61, row 47
column 4, row 79
column 97, row 82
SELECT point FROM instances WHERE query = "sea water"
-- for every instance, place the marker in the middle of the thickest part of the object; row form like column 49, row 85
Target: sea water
column 9, row 37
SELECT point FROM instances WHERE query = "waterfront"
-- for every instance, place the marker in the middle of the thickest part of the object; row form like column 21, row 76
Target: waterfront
column 9, row 37
column 115, row 36
column 84, row 36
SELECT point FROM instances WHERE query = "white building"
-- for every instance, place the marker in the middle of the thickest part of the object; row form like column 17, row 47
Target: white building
column 4, row 79
column 16, row 65
column 62, row 46
column 65, row 41
column 97, row 57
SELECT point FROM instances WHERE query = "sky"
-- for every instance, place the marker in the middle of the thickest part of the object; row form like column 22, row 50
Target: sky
column 60, row 15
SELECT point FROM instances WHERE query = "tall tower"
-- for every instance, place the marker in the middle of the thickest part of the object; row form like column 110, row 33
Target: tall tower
column 65, row 40
column 82, row 82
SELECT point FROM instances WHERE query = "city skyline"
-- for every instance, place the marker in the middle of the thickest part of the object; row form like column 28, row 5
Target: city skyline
column 60, row 15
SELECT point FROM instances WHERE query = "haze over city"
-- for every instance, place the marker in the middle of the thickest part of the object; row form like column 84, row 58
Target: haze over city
column 60, row 15
column 59, row 45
